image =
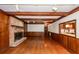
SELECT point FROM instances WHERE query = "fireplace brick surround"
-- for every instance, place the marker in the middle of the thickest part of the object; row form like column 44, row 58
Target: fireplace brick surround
column 16, row 26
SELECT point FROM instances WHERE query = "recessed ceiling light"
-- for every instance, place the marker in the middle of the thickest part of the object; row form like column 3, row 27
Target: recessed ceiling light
column 54, row 8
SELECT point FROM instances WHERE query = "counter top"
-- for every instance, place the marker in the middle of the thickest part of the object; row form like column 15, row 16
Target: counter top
column 73, row 35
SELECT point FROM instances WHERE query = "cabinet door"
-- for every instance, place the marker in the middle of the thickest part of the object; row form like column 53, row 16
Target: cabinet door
column 65, row 40
column 61, row 38
column 72, row 44
column 77, row 40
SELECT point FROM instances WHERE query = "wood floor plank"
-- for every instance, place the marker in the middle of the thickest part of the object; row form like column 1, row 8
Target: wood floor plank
column 38, row 45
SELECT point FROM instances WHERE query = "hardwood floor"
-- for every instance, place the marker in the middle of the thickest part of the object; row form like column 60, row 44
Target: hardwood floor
column 38, row 45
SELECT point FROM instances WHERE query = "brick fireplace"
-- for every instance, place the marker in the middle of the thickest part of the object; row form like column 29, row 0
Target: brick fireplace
column 16, row 32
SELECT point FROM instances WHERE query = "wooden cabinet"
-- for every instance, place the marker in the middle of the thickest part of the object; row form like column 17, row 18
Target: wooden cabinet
column 72, row 44
column 77, row 45
column 69, row 42
column 65, row 41
column 60, row 38
column 68, row 28
column 4, row 31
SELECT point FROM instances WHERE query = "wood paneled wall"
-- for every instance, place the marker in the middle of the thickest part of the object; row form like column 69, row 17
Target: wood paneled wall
column 4, row 31
column 34, row 34
column 71, row 43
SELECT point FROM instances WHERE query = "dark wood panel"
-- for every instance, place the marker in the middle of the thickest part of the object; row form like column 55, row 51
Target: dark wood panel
column 34, row 34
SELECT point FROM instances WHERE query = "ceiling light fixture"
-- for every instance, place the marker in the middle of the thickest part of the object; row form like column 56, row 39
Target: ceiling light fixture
column 54, row 9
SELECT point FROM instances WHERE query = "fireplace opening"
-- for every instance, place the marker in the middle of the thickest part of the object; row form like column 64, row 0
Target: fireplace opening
column 18, row 35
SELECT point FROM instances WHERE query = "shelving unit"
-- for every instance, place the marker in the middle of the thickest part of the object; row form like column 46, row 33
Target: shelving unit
column 68, row 28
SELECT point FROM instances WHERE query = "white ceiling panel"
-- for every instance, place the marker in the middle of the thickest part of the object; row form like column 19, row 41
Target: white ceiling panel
column 47, row 8
column 38, row 8
column 8, row 7
column 39, row 17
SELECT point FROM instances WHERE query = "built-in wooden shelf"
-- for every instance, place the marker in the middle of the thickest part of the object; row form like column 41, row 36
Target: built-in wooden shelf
column 68, row 28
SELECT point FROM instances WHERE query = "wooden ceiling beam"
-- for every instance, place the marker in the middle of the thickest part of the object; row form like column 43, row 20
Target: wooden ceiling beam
column 59, row 18
column 74, row 10
column 38, row 20
column 38, row 13
column 30, row 22
column 35, row 19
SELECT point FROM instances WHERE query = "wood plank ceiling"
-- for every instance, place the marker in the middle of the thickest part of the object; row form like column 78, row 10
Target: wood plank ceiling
column 39, row 13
